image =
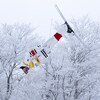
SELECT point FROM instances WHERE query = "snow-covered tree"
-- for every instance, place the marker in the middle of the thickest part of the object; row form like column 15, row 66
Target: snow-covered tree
column 15, row 40
column 72, row 70
column 79, row 72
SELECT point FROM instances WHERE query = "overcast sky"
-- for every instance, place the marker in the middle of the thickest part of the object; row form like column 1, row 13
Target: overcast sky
column 42, row 13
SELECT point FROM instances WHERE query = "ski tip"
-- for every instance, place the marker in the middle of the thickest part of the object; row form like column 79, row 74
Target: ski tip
column 55, row 5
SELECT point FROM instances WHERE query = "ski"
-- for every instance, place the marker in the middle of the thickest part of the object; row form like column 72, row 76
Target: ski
column 69, row 30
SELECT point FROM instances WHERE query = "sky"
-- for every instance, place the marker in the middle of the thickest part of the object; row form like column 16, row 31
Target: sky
column 42, row 13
